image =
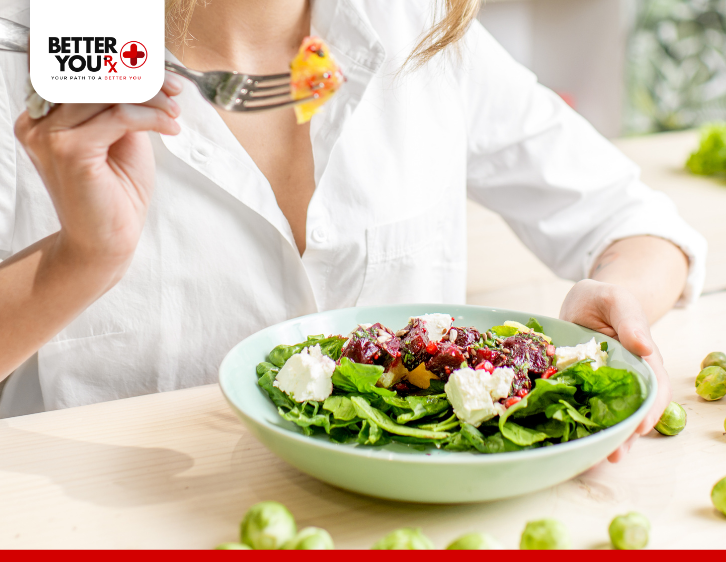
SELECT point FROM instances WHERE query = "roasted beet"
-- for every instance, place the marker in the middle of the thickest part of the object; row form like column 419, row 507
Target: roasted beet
column 413, row 344
column 446, row 360
column 372, row 346
column 465, row 337
column 521, row 384
column 481, row 354
column 525, row 353
column 527, row 350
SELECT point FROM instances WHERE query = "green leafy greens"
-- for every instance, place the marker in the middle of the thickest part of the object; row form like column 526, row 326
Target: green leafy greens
column 710, row 158
column 570, row 405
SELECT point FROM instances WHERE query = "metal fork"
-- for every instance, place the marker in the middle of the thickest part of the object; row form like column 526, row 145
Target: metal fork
column 235, row 91
column 232, row 91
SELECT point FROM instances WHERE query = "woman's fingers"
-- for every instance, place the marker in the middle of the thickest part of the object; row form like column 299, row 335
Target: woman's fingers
column 664, row 394
column 116, row 122
column 165, row 103
column 71, row 115
column 173, row 84
column 633, row 331
column 627, row 318
column 634, row 334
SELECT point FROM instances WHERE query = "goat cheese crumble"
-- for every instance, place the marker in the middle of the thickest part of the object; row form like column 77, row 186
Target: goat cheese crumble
column 437, row 325
column 567, row 356
column 474, row 394
column 307, row 375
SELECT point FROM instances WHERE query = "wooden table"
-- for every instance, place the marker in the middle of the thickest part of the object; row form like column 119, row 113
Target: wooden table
column 177, row 470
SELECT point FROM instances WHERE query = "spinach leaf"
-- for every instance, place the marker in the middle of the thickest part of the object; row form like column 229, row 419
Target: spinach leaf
column 613, row 394
column 545, row 392
column 520, row 435
column 449, row 423
column 581, row 431
column 395, row 401
column 535, row 325
column 372, row 434
column 497, row 443
column 265, row 367
column 554, row 428
column 373, row 415
column 458, row 443
column 306, row 416
column 577, row 416
column 612, row 409
column 331, row 347
column 416, row 407
column 341, row 407
column 471, row 439
column 356, row 377
column 343, row 434
column 278, row 397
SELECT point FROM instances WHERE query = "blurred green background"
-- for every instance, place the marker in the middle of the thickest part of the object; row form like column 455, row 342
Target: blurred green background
column 675, row 65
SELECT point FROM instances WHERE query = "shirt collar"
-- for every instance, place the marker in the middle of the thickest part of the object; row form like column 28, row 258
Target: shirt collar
column 208, row 146
column 358, row 50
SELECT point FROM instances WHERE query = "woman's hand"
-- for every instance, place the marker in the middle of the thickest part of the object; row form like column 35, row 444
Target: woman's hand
column 616, row 312
column 97, row 164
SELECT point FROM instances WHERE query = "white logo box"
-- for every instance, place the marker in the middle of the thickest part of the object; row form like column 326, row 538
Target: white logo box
column 72, row 44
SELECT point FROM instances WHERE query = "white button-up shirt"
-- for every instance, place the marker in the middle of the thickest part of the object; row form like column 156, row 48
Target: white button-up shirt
column 395, row 158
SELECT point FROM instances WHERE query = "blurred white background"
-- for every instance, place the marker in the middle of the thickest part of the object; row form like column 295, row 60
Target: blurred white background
column 576, row 47
column 628, row 66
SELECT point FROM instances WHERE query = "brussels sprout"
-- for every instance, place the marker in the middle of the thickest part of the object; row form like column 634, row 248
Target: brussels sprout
column 475, row 541
column 545, row 534
column 404, row 539
column 232, row 546
column 711, row 383
column 629, row 532
column 718, row 495
column 715, row 359
column 707, row 371
column 672, row 421
column 310, row 538
column 267, row 526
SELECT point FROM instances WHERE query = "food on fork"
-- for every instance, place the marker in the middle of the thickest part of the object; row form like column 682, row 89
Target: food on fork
column 313, row 73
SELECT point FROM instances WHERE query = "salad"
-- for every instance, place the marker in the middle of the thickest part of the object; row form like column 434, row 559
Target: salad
column 431, row 383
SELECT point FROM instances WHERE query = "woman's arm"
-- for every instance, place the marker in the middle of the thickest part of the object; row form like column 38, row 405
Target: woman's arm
column 97, row 164
column 42, row 289
column 652, row 269
column 633, row 283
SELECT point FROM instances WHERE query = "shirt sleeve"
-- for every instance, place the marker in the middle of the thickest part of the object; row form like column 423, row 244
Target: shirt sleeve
column 7, row 171
column 564, row 189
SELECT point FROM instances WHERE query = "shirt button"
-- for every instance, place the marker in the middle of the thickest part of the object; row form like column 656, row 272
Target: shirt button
column 320, row 234
column 200, row 153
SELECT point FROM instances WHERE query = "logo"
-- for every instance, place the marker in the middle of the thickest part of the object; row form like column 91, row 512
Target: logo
column 135, row 56
column 84, row 51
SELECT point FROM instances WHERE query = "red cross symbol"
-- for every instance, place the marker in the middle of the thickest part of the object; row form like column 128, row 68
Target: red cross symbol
column 136, row 51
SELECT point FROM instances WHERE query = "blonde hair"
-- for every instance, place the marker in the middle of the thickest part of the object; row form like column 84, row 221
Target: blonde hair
column 178, row 17
column 452, row 19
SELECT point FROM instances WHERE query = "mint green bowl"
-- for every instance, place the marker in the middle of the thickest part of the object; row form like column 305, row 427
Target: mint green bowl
column 395, row 471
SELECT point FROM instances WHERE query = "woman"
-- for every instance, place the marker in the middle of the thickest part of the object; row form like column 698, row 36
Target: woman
column 109, row 292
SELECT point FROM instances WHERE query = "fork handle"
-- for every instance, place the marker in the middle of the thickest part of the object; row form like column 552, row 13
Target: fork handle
column 13, row 36
column 192, row 75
